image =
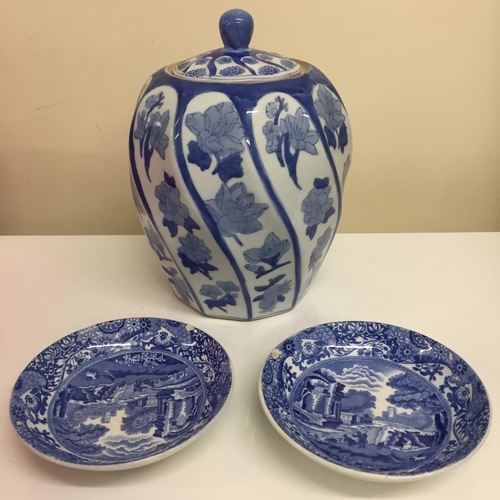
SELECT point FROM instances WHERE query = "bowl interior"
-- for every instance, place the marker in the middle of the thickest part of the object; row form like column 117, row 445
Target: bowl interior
column 375, row 399
column 121, row 392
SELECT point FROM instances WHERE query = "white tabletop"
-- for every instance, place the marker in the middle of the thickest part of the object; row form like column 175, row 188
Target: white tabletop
column 446, row 286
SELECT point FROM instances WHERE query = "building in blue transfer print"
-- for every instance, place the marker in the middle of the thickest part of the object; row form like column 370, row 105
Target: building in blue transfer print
column 176, row 408
column 389, row 414
column 322, row 396
column 361, row 419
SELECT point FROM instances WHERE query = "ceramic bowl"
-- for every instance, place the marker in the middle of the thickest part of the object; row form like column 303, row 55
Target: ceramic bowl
column 374, row 401
column 121, row 394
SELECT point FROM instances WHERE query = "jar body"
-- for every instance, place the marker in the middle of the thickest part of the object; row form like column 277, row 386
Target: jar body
column 239, row 187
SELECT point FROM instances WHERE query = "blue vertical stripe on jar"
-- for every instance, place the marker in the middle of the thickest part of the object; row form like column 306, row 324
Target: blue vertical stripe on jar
column 200, row 204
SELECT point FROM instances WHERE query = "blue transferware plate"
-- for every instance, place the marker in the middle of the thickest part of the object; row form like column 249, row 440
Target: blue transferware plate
column 121, row 394
column 374, row 401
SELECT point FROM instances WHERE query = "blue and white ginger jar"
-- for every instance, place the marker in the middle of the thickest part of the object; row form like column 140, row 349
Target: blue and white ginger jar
column 238, row 161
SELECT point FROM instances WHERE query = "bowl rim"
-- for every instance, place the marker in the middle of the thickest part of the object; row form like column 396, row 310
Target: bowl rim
column 143, row 461
column 353, row 473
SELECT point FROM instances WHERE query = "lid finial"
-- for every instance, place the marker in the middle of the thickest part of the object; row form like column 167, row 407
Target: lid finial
column 236, row 29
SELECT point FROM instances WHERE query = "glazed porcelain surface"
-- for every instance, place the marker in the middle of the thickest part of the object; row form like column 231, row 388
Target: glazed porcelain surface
column 238, row 160
column 374, row 401
column 121, row 394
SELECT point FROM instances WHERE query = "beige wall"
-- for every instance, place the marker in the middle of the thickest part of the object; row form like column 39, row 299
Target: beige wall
column 420, row 79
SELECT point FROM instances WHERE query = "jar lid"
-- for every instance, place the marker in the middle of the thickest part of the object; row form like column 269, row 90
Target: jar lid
column 236, row 61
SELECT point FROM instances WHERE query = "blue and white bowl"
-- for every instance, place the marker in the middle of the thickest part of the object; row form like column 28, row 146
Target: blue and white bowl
column 238, row 161
column 121, row 394
column 374, row 401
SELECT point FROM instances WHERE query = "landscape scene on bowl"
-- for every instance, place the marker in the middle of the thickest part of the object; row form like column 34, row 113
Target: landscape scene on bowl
column 371, row 415
column 128, row 407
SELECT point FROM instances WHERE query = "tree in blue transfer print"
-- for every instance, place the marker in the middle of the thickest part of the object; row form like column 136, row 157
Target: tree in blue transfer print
column 270, row 254
column 412, row 394
column 150, row 130
column 317, row 206
column 221, row 295
column 415, row 395
column 178, row 283
column 219, row 134
column 330, row 109
column 291, row 132
column 138, row 420
column 81, row 437
column 356, row 401
column 175, row 213
column 235, row 211
column 273, row 293
column 195, row 255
